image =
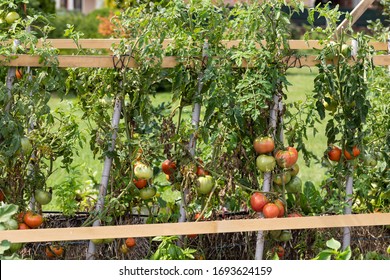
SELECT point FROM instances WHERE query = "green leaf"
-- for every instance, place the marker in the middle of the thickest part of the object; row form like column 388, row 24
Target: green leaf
column 4, row 246
column 170, row 196
column 7, row 211
column 345, row 255
column 333, row 244
column 323, row 256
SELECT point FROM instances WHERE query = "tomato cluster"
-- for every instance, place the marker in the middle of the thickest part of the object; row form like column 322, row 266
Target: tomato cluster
column 260, row 203
column 334, row 153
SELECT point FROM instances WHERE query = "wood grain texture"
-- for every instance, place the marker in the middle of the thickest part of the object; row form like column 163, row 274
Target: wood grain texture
column 206, row 227
column 108, row 43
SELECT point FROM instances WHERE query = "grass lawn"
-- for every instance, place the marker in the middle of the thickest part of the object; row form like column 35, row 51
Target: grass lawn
column 302, row 84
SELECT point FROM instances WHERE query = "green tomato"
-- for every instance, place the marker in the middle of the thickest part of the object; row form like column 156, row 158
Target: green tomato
column 147, row 193
column 282, row 178
column 108, row 240
column 11, row 17
column 42, row 197
column 286, row 235
column 97, row 241
column 346, row 50
column 330, row 104
column 265, row 163
column 15, row 247
column 369, row 160
column 275, row 234
column 26, row 146
column 295, row 185
column 294, row 170
column 204, row 184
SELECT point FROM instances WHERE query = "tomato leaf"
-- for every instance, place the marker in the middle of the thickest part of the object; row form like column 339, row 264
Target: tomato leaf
column 333, row 244
column 7, row 211
column 4, row 246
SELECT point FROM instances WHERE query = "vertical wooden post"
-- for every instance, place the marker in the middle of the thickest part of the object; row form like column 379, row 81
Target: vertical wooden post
column 349, row 181
column 195, row 123
column 268, row 175
column 106, row 172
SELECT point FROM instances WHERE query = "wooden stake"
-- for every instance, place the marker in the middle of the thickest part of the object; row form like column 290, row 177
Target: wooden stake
column 206, row 227
column 355, row 14
column 106, row 172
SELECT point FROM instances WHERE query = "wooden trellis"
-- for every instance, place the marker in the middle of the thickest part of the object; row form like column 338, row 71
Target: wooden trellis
column 207, row 227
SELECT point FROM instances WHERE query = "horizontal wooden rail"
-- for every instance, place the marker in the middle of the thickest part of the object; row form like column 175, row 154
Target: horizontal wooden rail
column 106, row 61
column 108, row 43
column 206, row 227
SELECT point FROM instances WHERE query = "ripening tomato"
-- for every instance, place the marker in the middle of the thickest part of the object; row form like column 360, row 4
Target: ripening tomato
column 2, row 196
column 54, row 251
column 281, row 207
column 355, row 153
column 130, row 242
column 294, row 215
column 23, row 226
column 140, row 183
column 286, row 159
column 33, row 220
column 271, row 210
column 168, row 166
column 257, row 201
column 19, row 74
column 143, row 171
column 334, row 153
column 294, row 151
column 200, row 171
column 263, row 145
column 279, row 250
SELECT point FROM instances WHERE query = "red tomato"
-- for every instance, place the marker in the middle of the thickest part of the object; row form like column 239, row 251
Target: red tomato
column 201, row 172
column 279, row 250
column 140, row 183
column 54, row 251
column 258, row 200
column 130, row 242
column 1, row 195
column 294, row 215
column 334, row 153
column 168, row 166
column 355, row 152
column 19, row 74
column 32, row 220
column 271, row 210
column 23, row 226
column 264, row 145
